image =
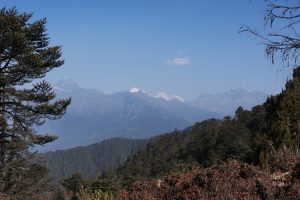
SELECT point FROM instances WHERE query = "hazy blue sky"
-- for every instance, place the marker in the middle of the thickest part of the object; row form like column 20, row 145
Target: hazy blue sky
column 182, row 47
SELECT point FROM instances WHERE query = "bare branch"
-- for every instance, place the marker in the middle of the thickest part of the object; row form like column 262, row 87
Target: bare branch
column 282, row 42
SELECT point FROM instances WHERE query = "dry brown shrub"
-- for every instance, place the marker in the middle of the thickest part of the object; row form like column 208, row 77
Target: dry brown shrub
column 230, row 180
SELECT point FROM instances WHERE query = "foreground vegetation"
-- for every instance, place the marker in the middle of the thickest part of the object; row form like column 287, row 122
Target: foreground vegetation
column 229, row 180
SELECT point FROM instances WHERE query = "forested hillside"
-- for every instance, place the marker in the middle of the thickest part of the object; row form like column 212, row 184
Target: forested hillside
column 90, row 160
column 250, row 136
column 206, row 143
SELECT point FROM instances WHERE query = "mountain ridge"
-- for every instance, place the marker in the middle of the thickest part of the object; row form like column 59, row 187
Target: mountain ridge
column 94, row 116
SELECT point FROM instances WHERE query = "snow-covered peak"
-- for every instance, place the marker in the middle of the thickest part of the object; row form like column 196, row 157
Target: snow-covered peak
column 134, row 90
column 167, row 97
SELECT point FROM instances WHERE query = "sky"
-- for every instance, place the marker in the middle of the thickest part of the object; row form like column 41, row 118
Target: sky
column 181, row 47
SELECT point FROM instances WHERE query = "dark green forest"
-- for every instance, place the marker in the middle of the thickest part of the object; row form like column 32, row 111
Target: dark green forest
column 91, row 161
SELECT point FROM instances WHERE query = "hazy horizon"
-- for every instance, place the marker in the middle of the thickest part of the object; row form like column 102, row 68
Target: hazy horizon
column 155, row 94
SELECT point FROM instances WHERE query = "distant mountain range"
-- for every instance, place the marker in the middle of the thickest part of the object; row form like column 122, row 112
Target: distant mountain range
column 94, row 116
column 226, row 103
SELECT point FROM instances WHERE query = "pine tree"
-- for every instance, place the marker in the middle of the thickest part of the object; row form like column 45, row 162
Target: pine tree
column 283, row 114
column 25, row 58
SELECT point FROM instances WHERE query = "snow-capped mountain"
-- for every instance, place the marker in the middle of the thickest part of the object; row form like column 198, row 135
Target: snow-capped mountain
column 135, row 90
column 94, row 115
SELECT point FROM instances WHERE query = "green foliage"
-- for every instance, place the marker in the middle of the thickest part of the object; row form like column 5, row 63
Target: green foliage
column 25, row 57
